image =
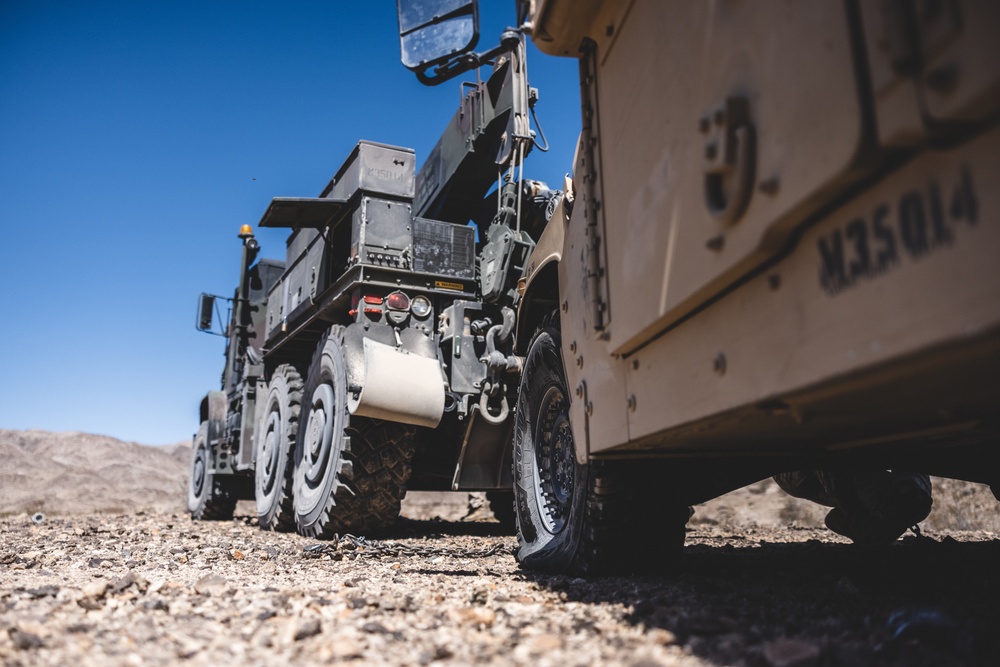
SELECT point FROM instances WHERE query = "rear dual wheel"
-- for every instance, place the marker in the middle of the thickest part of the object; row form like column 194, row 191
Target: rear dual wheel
column 276, row 436
column 210, row 497
column 350, row 472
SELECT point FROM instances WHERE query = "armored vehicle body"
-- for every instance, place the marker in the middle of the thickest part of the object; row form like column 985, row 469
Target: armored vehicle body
column 778, row 252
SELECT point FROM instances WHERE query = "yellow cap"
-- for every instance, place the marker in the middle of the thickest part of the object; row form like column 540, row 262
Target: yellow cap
column 245, row 231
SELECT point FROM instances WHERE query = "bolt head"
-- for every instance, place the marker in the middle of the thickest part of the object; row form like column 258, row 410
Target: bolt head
column 719, row 364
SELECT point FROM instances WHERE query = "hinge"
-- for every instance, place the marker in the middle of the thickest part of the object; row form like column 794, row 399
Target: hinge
column 593, row 213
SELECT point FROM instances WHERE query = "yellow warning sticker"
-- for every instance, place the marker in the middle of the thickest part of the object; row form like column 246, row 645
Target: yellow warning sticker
column 442, row 284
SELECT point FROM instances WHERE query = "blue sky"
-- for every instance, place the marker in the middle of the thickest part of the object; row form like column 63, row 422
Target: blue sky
column 136, row 138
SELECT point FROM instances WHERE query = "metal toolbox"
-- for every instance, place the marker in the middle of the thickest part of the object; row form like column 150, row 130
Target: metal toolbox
column 374, row 169
column 304, row 278
column 380, row 233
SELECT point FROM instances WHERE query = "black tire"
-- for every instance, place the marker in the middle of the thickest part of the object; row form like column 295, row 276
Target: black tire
column 209, row 498
column 502, row 506
column 275, row 441
column 350, row 472
column 589, row 518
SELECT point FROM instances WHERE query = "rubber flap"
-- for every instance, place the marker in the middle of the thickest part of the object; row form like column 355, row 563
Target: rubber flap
column 399, row 387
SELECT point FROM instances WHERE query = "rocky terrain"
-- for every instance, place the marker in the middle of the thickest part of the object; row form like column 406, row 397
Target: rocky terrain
column 759, row 584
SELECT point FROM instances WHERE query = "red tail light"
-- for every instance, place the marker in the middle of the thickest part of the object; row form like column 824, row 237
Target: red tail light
column 397, row 301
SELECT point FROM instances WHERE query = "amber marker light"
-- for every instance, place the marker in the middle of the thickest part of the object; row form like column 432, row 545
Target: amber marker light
column 246, row 231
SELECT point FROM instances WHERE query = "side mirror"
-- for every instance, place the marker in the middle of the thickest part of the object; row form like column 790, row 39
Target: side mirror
column 434, row 31
column 206, row 313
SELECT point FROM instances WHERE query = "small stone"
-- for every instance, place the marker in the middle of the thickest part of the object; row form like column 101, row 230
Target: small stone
column 130, row 579
column 156, row 605
column 96, row 589
column 374, row 627
column 440, row 652
column 308, row 628
column 43, row 592
column 90, row 604
column 481, row 616
column 24, row 641
column 662, row 637
column 544, row 643
column 346, row 648
column 786, row 652
column 236, row 554
column 211, row 584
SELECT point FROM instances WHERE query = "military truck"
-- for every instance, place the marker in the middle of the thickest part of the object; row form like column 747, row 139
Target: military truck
column 779, row 251
column 378, row 357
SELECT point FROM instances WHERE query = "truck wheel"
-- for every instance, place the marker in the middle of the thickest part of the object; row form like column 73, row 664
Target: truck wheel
column 208, row 498
column 585, row 519
column 276, row 437
column 350, row 472
column 502, row 506
column 549, row 484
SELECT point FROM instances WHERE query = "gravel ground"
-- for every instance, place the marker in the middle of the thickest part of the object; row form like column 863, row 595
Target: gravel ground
column 160, row 589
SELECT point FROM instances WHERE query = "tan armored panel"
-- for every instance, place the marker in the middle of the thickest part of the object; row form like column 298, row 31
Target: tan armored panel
column 722, row 126
column 932, row 66
column 959, row 80
column 895, row 294
column 783, row 216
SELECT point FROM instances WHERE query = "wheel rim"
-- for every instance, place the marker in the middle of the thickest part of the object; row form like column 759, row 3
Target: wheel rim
column 317, row 451
column 269, row 454
column 199, row 469
column 555, row 460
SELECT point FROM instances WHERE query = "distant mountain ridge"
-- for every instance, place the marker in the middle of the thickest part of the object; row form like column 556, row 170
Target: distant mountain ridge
column 79, row 473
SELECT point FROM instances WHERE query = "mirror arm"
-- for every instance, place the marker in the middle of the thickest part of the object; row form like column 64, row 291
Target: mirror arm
column 469, row 61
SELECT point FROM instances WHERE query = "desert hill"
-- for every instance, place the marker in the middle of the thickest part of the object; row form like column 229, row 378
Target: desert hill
column 78, row 473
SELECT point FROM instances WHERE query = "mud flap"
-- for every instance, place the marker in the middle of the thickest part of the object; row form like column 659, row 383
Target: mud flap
column 399, row 387
column 484, row 462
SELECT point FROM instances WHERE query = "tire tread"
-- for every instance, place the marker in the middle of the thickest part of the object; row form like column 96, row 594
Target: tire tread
column 371, row 474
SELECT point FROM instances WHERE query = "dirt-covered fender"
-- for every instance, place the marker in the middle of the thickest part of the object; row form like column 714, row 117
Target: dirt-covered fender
column 541, row 285
column 213, row 410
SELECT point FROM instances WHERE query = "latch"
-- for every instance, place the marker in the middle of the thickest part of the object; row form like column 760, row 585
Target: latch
column 729, row 159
